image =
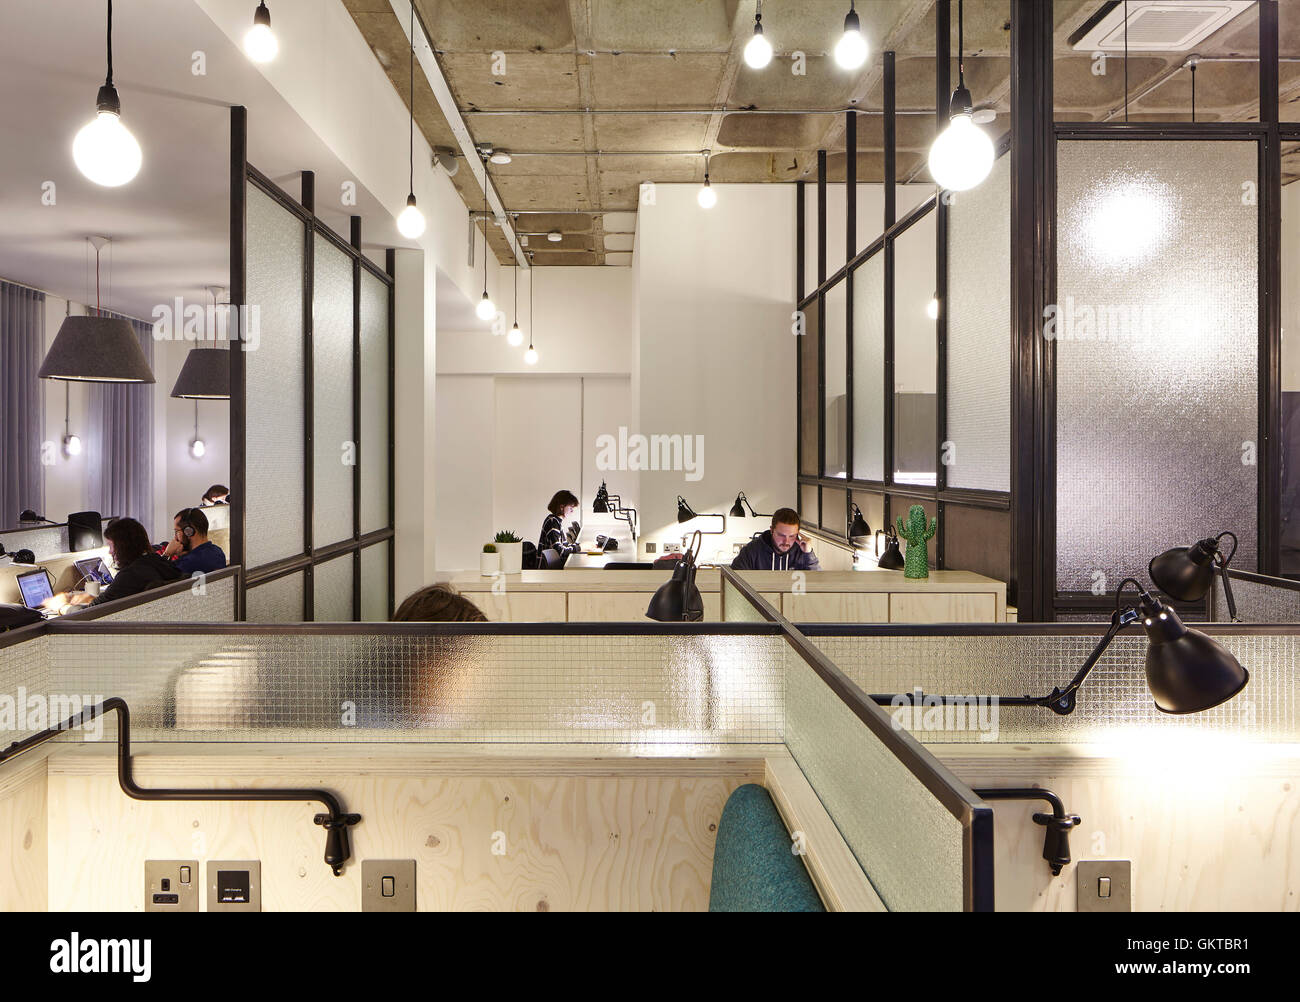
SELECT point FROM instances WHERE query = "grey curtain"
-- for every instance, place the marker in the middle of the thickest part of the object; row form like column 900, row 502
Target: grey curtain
column 119, row 446
column 22, row 402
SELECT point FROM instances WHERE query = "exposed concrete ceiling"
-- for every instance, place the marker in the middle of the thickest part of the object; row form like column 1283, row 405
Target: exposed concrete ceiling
column 594, row 97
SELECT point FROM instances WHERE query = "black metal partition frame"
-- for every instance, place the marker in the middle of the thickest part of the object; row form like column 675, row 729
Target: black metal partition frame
column 936, row 499
column 243, row 174
column 1030, row 523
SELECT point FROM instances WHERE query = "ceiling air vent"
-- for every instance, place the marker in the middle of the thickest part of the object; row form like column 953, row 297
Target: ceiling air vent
column 1156, row 25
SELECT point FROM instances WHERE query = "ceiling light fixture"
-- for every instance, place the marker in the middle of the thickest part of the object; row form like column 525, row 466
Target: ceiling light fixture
column 516, row 337
column 707, row 197
column 485, row 310
column 530, row 356
column 104, row 150
column 410, row 223
column 260, row 44
column 962, row 155
column 555, row 236
column 206, row 372
column 758, row 50
column 502, row 157
column 851, row 50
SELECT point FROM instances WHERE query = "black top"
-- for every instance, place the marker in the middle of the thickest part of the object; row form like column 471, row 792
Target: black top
column 146, row 571
column 554, row 537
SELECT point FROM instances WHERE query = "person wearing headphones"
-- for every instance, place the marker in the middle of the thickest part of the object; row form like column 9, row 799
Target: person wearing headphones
column 190, row 548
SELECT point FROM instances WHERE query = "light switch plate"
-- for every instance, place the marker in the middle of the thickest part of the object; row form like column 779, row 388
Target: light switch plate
column 234, row 885
column 388, row 885
column 1090, row 875
column 166, row 888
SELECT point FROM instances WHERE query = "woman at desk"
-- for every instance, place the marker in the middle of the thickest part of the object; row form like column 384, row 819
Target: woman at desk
column 554, row 536
column 139, row 568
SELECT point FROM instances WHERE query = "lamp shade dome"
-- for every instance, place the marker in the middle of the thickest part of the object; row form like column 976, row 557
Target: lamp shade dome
column 204, row 376
column 1188, row 672
column 96, row 350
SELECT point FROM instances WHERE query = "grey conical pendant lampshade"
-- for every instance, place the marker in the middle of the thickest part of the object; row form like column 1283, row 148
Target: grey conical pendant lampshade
column 204, row 376
column 96, row 350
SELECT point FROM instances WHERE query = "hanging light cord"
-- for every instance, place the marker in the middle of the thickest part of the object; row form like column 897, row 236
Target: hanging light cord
column 108, row 80
column 1193, row 92
column 411, row 129
column 485, row 225
column 532, row 280
column 516, row 279
column 1126, row 60
column 961, row 43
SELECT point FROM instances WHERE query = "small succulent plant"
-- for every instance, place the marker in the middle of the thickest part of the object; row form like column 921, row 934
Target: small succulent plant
column 489, row 548
column 507, row 536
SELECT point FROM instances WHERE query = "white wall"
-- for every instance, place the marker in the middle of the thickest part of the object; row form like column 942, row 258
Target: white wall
column 715, row 291
column 1291, row 288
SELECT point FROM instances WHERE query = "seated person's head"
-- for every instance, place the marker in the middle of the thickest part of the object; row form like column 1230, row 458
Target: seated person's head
column 191, row 527
column 438, row 603
column 785, row 529
column 563, row 504
column 126, row 540
column 216, row 494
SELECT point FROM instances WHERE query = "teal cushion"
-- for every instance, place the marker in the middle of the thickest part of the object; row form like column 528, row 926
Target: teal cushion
column 754, row 869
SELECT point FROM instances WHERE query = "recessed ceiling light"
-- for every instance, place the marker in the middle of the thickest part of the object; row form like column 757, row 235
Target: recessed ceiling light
column 554, row 236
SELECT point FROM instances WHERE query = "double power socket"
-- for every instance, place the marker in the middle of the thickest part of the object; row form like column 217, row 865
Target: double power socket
column 172, row 885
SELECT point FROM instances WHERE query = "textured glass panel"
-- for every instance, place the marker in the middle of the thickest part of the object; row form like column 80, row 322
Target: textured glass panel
column 278, row 601
column 979, row 334
column 334, row 439
column 1113, row 703
column 809, row 395
column 331, row 595
column 889, row 819
column 275, row 470
column 835, row 332
column 915, row 355
column 374, row 582
column 374, row 403
column 869, row 369
column 1257, row 602
column 835, row 506
column 1156, row 353
column 808, row 505
column 737, row 608
column 241, row 686
column 26, row 667
column 213, row 603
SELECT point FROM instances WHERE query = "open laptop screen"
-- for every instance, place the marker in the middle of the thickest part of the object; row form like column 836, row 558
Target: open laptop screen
column 35, row 588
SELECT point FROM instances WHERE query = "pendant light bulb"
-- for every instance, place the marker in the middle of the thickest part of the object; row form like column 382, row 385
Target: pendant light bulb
column 851, row 50
column 197, row 449
column 410, row 223
column 104, row 150
column 485, row 310
column 516, row 337
column 758, row 50
column 260, row 44
column 707, row 197
column 71, row 445
column 962, row 155
column 530, row 356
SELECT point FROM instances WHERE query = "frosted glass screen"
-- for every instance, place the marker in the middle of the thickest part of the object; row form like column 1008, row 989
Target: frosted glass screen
column 332, row 590
column 278, row 601
column 809, row 396
column 274, row 456
column 334, row 443
column 835, row 333
column 915, row 354
column 374, row 403
column 869, row 369
column 978, row 450
column 1156, row 353
column 374, row 582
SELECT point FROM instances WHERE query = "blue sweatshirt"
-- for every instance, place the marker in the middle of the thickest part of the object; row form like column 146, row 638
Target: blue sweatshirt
column 760, row 554
column 207, row 557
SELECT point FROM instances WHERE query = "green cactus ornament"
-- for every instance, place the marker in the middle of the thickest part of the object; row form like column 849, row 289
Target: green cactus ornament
column 917, row 536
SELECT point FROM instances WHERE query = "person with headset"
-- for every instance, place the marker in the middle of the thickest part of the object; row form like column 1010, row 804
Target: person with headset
column 190, row 548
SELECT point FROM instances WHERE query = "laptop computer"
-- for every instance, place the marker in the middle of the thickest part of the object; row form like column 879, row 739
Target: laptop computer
column 93, row 569
column 35, row 587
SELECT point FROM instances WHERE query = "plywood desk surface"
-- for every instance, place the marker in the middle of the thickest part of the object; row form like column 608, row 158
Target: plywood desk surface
column 62, row 573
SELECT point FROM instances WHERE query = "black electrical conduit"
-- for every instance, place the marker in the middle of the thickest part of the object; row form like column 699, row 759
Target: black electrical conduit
column 338, row 849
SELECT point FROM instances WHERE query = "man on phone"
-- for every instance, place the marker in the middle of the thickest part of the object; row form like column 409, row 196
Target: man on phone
column 780, row 548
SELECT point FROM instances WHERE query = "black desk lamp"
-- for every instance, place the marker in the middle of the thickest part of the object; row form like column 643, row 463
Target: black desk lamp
column 738, row 512
column 679, row 599
column 1186, row 573
column 612, row 504
column 601, row 505
column 27, row 515
column 1187, row 672
column 858, row 528
column 892, row 558
column 685, row 513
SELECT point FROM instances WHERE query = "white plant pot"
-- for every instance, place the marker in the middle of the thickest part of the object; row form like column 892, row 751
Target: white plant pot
column 512, row 557
column 489, row 564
